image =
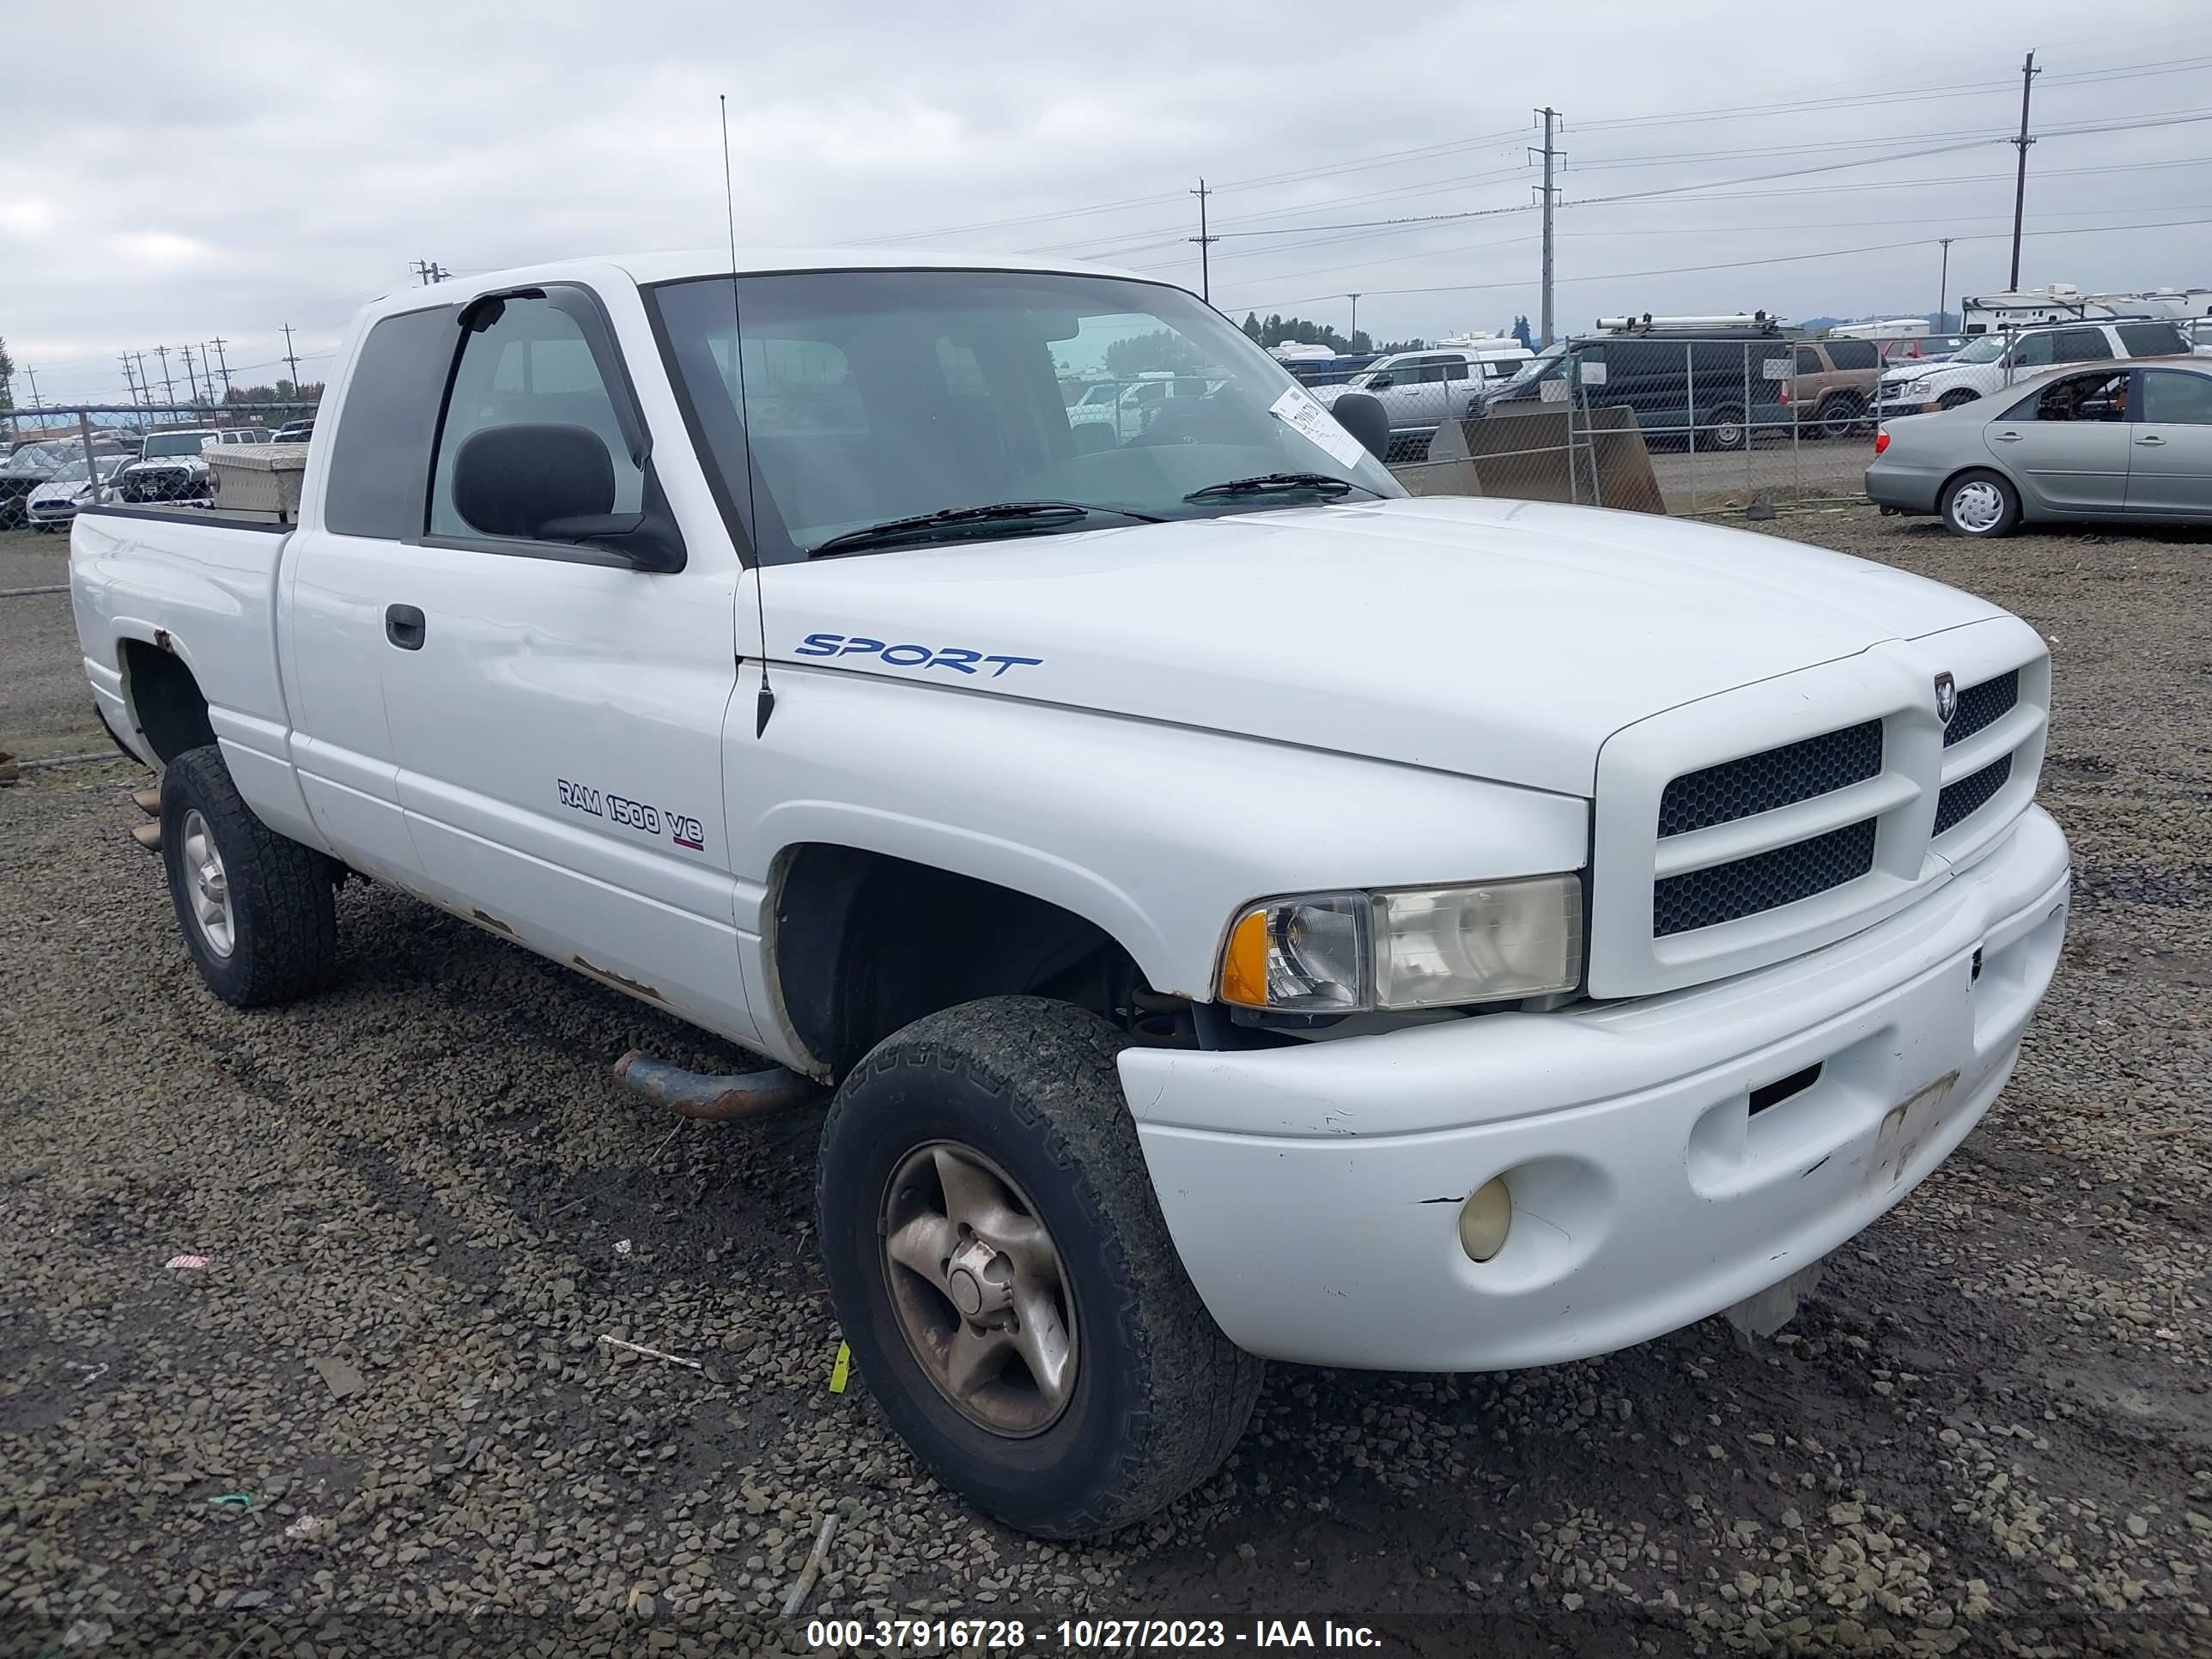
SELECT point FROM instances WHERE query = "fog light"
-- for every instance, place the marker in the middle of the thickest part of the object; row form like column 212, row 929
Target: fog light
column 1484, row 1218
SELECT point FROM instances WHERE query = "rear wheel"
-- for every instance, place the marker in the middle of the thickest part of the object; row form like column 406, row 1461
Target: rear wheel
column 1981, row 504
column 1841, row 415
column 999, row 1265
column 257, row 910
column 1726, row 430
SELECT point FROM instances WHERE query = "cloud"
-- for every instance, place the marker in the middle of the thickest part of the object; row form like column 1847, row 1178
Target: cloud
column 245, row 180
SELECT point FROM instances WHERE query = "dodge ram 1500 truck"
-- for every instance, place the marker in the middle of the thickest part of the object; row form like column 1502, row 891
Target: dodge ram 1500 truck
column 1243, row 912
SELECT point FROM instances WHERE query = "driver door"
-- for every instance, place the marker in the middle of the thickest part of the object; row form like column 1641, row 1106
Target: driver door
column 2067, row 445
column 556, row 711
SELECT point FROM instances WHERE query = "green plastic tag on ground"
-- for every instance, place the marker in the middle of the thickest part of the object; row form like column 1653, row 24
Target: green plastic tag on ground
column 841, row 1369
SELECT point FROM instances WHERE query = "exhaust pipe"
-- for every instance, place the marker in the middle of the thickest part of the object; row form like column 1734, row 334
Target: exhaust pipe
column 148, row 800
column 148, row 835
column 716, row 1099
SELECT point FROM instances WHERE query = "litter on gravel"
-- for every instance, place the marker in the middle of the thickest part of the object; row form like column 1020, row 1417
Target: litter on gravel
column 188, row 1264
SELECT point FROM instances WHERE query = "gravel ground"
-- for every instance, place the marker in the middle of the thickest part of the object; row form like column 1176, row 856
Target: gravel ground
column 44, row 708
column 380, row 1419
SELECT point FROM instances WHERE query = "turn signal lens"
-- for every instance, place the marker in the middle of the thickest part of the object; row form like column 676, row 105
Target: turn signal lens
column 1301, row 956
column 1485, row 1219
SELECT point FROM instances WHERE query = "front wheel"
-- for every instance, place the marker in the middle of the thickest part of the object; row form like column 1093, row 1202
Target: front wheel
column 1727, row 430
column 1981, row 504
column 257, row 910
column 1001, row 1268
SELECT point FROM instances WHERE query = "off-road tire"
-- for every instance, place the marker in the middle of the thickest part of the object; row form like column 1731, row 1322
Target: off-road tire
column 284, row 913
column 1160, row 1394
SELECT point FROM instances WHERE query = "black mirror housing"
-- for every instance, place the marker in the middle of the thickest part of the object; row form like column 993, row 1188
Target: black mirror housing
column 557, row 483
column 1365, row 419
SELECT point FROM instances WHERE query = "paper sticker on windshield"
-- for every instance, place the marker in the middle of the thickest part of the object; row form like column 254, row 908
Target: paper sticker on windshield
column 1300, row 410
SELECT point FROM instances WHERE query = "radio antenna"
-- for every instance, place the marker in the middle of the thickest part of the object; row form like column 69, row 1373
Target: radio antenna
column 765, row 705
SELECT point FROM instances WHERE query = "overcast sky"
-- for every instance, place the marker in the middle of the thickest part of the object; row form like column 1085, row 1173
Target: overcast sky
column 172, row 176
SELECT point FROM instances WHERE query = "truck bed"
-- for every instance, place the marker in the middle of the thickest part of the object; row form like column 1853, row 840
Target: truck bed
column 137, row 573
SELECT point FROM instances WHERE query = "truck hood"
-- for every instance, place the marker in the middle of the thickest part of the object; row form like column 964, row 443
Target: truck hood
column 1500, row 640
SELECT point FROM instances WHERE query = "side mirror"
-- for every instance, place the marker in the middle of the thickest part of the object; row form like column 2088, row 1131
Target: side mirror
column 555, row 483
column 1365, row 419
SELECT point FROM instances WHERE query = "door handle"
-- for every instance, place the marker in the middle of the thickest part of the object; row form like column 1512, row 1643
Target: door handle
column 2008, row 437
column 2153, row 439
column 405, row 626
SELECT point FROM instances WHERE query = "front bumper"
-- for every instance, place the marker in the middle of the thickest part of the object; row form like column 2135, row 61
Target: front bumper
column 1313, row 1192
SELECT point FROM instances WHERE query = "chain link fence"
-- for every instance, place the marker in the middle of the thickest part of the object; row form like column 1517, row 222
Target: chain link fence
column 1682, row 425
column 62, row 456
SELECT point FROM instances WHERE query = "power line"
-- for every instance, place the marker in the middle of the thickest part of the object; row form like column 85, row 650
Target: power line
column 1731, row 264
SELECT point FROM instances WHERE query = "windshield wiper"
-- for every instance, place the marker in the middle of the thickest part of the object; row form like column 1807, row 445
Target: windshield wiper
column 1267, row 483
column 955, row 519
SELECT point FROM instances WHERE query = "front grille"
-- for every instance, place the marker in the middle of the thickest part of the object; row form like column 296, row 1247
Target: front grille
column 1981, row 705
column 1960, row 800
column 1779, row 777
column 1765, row 881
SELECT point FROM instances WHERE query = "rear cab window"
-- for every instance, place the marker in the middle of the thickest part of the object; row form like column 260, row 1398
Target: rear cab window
column 379, row 459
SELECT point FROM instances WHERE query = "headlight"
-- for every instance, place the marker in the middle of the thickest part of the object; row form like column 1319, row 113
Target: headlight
column 1418, row 947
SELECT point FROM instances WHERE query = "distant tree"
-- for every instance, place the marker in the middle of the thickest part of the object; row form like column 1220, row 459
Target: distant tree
column 1415, row 344
column 1520, row 332
column 1360, row 343
column 1252, row 323
column 1159, row 350
column 7, row 378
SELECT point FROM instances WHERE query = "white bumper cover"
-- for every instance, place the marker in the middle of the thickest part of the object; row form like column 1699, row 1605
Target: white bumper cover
column 1314, row 1192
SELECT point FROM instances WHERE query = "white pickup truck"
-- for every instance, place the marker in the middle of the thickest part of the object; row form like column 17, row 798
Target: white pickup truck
column 1243, row 912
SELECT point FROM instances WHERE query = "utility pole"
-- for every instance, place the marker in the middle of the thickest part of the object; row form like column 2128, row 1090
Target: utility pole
column 125, row 361
column 32, row 374
column 1350, row 335
column 1552, row 157
column 1204, row 243
column 2027, row 74
column 192, row 371
column 222, row 362
column 290, row 359
column 1943, row 288
column 430, row 271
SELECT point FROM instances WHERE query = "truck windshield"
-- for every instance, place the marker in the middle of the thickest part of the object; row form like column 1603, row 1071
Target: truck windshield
column 174, row 443
column 862, row 396
column 1986, row 350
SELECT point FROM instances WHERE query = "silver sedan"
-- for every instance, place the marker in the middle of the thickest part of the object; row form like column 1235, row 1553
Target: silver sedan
column 2122, row 440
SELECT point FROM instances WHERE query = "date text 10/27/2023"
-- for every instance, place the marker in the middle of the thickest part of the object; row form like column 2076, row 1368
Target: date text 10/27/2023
column 1084, row 1635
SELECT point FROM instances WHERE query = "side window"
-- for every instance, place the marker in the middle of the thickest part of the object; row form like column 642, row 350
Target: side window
column 1854, row 353
column 2151, row 340
column 1432, row 368
column 2084, row 398
column 2174, row 398
column 2079, row 345
column 379, row 459
column 2033, row 351
column 1456, row 369
column 530, row 366
column 1808, row 361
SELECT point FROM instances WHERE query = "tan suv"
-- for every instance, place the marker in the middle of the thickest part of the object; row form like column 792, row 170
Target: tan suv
column 1832, row 388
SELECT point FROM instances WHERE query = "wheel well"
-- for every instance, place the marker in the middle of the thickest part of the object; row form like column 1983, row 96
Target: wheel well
column 862, row 944
column 165, row 700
